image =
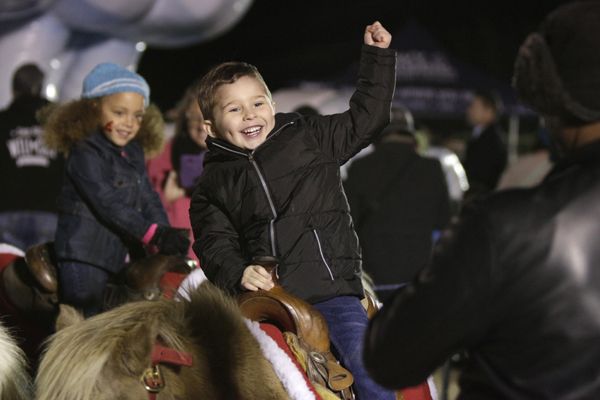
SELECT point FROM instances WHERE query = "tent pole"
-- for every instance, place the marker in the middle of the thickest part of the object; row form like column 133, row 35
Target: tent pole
column 513, row 137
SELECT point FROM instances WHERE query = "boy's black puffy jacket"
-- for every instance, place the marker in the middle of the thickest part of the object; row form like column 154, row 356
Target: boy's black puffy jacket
column 285, row 198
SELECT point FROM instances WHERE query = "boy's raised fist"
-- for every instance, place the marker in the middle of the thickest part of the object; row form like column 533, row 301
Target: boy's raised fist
column 376, row 35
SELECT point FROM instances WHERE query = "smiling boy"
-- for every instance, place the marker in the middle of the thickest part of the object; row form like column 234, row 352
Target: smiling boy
column 244, row 113
column 271, row 186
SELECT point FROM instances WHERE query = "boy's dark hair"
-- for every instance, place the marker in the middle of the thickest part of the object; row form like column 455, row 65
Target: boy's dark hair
column 226, row 73
column 28, row 80
column 491, row 100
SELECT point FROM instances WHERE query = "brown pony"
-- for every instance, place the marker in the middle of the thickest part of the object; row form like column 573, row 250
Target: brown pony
column 104, row 357
column 14, row 379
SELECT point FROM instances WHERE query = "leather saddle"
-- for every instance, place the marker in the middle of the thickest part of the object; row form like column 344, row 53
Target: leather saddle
column 305, row 331
column 31, row 283
column 142, row 279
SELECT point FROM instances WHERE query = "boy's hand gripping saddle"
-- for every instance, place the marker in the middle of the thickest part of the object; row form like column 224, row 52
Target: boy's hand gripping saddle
column 304, row 329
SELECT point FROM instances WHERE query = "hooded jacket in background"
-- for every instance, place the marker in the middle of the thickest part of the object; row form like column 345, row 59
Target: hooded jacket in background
column 30, row 172
column 397, row 199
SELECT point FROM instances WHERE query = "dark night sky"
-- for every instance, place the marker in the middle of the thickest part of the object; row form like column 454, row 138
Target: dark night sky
column 314, row 39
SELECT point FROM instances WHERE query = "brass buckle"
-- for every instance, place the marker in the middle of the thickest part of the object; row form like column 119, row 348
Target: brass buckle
column 152, row 379
column 317, row 357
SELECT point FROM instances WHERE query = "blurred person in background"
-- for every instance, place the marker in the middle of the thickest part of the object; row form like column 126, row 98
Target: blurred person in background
column 306, row 110
column 174, row 171
column 398, row 199
column 486, row 154
column 454, row 172
column 516, row 281
column 30, row 172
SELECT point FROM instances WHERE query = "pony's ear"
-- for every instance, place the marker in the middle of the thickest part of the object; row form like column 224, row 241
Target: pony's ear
column 132, row 355
column 68, row 316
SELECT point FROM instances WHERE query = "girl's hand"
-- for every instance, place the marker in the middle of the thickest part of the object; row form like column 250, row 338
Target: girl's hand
column 172, row 189
column 256, row 277
column 376, row 35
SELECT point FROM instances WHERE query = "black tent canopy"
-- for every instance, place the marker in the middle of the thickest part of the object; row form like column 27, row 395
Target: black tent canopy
column 433, row 84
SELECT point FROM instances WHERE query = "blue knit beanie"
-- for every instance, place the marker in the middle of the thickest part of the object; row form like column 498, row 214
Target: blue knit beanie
column 109, row 78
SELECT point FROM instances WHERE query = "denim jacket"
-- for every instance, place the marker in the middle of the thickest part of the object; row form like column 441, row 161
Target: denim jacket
column 107, row 204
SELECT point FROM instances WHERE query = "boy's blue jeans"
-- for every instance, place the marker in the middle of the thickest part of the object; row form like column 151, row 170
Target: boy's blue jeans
column 82, row 286
column 347, row 322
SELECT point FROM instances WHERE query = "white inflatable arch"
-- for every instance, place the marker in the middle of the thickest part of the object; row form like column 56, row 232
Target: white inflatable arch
column 67, row 38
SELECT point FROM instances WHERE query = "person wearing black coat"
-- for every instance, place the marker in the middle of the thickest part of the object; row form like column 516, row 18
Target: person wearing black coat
column 30, row 172
column 271, row 186
column 516, row 282
column 397, row 200
column 486, row 154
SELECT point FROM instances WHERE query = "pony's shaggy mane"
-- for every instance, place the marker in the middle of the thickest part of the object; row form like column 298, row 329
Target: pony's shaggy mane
column 91, row 343
column 14, row 380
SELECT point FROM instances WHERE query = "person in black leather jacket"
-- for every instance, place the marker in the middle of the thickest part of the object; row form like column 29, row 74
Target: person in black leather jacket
column 516, row 281
column 271, row 186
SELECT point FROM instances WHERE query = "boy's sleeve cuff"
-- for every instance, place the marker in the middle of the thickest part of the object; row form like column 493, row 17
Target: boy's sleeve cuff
column 148, row 236
column 367, row 48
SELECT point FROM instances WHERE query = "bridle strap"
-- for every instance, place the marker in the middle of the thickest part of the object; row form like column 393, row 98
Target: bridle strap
column 152, row 378
column 167, row 355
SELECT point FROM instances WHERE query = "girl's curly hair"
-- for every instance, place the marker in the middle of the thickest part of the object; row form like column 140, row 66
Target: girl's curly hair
column 68, row 124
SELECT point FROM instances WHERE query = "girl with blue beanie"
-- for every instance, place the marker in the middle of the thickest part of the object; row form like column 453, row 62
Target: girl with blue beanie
column 108, row 211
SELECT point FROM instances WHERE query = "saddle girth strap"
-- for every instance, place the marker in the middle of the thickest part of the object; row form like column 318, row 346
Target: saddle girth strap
column 152, row 378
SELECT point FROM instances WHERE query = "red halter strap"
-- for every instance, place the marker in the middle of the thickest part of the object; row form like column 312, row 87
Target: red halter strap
column 152, row 378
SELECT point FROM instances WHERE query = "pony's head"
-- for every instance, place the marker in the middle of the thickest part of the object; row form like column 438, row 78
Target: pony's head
column 105, row 356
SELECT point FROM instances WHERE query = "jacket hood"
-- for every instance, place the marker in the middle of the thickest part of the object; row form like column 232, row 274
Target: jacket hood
column 398, row 155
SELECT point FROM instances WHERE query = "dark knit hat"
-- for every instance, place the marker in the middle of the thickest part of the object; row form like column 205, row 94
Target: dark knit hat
column 557, row 71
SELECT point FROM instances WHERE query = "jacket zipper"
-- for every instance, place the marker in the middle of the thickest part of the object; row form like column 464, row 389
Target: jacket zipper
column 264, row 185
column 322, row 255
